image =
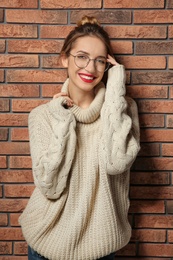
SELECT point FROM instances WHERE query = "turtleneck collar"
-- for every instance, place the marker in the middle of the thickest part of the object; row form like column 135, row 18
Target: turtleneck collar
column 91, row 113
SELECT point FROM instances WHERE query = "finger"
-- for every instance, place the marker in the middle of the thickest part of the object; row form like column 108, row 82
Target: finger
column 111, row 60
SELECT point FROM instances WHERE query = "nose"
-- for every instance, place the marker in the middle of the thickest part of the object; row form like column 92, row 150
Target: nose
column 91, row 65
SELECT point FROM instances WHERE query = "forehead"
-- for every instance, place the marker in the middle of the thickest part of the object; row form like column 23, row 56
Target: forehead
column 90, row 44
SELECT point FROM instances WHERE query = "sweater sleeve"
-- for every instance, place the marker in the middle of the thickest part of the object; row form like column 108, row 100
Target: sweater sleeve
column 52, row 144
column 120, row 126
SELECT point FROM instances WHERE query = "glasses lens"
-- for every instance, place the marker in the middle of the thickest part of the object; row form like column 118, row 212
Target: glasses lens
column 101, row 64
column 81, row 61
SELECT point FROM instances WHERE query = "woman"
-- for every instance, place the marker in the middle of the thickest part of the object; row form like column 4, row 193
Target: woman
column 83, row 143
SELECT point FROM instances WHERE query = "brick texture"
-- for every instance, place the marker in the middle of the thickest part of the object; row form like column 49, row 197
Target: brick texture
column 141, row 33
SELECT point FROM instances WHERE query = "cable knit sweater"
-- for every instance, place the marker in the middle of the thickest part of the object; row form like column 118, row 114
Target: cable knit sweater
column 81, row 160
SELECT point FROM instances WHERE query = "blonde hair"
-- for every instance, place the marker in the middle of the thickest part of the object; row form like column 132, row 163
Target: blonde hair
column 88, row 19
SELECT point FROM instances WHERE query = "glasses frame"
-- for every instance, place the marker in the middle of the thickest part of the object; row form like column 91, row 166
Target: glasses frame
column 74, row 56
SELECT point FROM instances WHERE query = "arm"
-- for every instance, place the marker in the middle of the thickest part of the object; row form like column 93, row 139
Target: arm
column 52, row 144
column 120, row 127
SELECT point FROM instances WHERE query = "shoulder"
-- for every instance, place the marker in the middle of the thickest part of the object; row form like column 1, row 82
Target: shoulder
column 39, row 113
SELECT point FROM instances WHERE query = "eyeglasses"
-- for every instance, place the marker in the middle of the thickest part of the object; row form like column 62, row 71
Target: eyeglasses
column 82, row 61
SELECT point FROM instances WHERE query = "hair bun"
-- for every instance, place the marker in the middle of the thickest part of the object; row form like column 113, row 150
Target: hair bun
column 87, row 19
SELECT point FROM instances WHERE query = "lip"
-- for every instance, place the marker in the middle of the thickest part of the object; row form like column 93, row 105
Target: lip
column 88, row 78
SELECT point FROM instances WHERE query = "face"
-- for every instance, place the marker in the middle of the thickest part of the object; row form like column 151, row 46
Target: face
column 85, row 79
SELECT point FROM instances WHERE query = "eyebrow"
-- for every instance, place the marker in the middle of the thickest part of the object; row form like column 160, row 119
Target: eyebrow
column 100, row 56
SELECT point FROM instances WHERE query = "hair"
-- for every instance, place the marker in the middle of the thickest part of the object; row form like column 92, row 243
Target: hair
column 87, row 26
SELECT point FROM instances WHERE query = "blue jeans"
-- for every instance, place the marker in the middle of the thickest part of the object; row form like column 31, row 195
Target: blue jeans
column 33, row 255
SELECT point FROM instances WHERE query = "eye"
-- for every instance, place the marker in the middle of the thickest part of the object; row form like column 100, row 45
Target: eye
column 82, row 57
column 101, row 61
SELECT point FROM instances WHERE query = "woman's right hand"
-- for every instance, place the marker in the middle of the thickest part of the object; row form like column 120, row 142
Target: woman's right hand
column 68, row 102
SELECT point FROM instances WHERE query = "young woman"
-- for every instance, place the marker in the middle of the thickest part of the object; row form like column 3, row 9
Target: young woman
column 83, row 143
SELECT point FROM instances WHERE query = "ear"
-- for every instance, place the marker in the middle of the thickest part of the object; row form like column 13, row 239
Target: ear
column 64, row 61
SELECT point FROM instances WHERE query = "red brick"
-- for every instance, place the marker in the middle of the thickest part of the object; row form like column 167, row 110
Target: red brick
column 51, row 62
column 0, row 191
column 19, row 134
column 1, row 75
column 155, row 106
column 153, row 16
column 128, row 250
column 13, row 119
column 36, row 16
column 20, row 248
column 3, row 219
column 160, row 164
column 169, row 206
column 150, row 178
column 170, row 31
column 52, row 31
column 19, row 90
column 137, row 32
column 19, row 3
column 151, row 120
column 156, row 91
column 5, row 248
column 143, row 62
column 35, row 46
column 1, row 16
column 2, row 46
column 160, row 192
column 4, row 105
column 3, row 162
column 11, row 234
column 18, row 31
column 167, row 149
column 103, row 16
column 20, row 162
column 36, row 75
column 152, row 77
column 170, row 62
column 149, row 235
column 154, row 47
column 153, row 221
column 53, row 4
column 169, row 121
column 49, row 90
column 171, row 92
column 170, row 236
column 19, row 176
column 18, row 191
column 3, row 134
column 122, row 47
column 14, row 148
column 145, row 206
column 26, row 105
column 14, row 219
column 149, row 150
column 156, row 135
column 19, row 258
column 169, row 4
column 156, row 250
column 12, row 205
column 19, row 61
column 133, row 4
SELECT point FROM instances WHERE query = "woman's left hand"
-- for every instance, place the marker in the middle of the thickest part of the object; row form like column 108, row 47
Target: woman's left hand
column 112, row 61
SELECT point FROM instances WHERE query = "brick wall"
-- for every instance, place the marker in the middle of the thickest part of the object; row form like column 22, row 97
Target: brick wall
column 31, row 36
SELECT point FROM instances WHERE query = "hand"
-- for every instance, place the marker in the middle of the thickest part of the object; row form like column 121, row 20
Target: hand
column 67, row 102
column 112, row 61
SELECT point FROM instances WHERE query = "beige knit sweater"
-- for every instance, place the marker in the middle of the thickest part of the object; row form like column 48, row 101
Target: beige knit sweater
column 81, row 160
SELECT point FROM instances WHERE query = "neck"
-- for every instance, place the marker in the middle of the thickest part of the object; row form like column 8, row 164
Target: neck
column 81, row 98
